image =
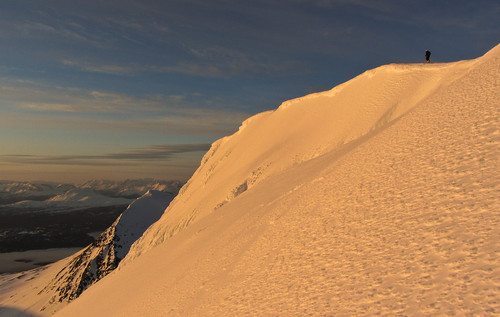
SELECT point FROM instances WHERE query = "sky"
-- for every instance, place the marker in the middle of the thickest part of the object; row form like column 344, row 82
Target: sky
column 108, row 89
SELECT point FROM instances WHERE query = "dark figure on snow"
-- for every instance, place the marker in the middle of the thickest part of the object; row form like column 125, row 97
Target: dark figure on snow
column 428, row 56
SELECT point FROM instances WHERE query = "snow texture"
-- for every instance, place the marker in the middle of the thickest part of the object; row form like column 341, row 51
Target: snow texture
column 137, row 218
column 379, row 196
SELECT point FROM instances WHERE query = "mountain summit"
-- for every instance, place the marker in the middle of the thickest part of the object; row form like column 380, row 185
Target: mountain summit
column 320, row 128
column 378, row 196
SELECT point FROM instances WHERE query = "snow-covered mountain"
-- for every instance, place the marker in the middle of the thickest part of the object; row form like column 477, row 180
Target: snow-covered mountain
column 12, row 192
column 127, row 188
column 304, row 131
column 67, row 279
column 379, row 196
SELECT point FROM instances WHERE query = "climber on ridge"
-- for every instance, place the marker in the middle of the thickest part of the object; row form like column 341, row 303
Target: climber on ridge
column 428, row 56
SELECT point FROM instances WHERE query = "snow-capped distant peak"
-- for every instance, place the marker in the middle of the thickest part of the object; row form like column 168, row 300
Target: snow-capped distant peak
column 75, row 198
column 76, row 194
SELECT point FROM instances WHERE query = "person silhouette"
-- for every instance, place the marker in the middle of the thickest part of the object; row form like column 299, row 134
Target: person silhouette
column 428, row 56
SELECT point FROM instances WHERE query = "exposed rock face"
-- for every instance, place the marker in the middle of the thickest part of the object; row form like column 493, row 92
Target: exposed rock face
column 89, row 266
column 103, row 256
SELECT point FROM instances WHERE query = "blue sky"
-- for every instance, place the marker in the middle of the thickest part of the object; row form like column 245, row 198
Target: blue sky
column 138, row 88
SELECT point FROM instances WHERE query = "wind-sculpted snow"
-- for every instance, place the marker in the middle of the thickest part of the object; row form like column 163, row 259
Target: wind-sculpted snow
column 137, row 218
column 379, row 197
column 298, row 131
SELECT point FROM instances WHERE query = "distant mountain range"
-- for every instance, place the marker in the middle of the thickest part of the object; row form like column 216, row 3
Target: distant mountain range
column 42, row 196
column 40, row 215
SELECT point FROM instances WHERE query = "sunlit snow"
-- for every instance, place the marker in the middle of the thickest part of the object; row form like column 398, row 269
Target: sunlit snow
column 379, row 196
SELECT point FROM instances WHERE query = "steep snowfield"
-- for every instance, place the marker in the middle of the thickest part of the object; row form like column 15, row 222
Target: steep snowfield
column 137, row 218
column 379, row 196
column 298, row 131
column 48, row 289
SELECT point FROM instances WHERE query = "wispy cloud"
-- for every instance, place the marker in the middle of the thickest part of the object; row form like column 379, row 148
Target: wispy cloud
column 186, row 68
column 29, row 104
column 113, row 69
column 36, row 96
column 151, row 153
column 57, row 30
column 212, row 62
column 65, row 99
column 201, row 123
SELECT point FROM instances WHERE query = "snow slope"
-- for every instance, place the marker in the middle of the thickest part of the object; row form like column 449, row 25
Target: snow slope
column 67, row 279
column 379, row 196
column 137, row 218
column 300, row 130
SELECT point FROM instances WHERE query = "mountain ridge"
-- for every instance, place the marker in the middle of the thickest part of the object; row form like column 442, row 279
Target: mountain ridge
column 386, row 205
column 372, row 110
